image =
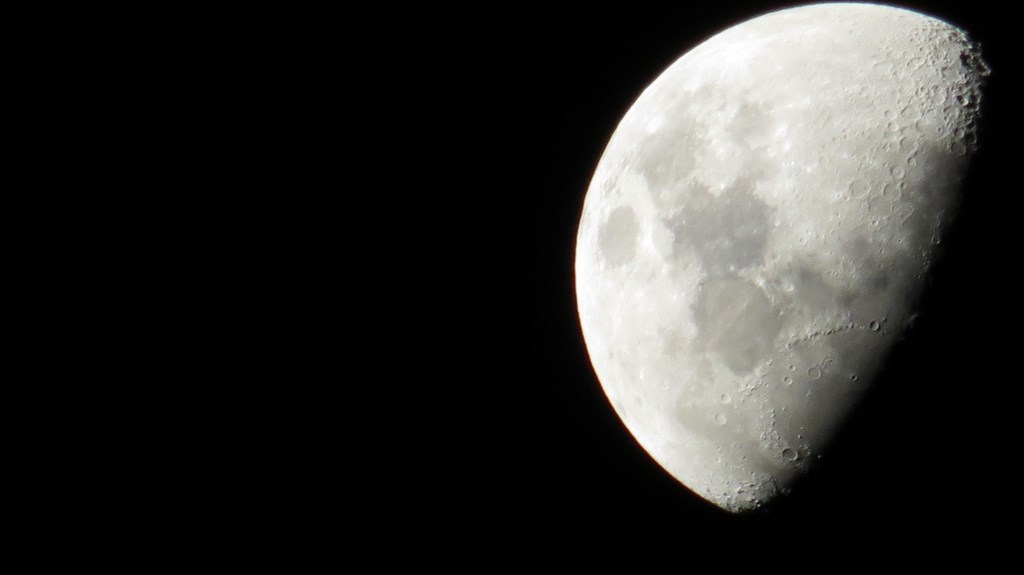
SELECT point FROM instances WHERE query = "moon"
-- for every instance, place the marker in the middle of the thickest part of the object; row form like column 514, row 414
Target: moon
column 757, row 231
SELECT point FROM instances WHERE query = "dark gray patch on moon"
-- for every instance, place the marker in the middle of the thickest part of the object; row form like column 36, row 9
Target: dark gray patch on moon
column 728, row 232
column 666, row 158
column 812, row 292
column 751, row 125
column 736, row 320
column 618, row 236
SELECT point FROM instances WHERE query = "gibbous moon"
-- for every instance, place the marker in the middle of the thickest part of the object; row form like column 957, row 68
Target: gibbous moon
column 755, row 235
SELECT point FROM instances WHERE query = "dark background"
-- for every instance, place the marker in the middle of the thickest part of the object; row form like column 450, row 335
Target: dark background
column 535, row 447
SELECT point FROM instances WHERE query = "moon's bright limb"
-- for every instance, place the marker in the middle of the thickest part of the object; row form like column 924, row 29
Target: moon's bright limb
column 755, row 234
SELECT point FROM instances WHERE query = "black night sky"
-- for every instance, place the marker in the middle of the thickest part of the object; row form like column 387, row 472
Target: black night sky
column 530, row 438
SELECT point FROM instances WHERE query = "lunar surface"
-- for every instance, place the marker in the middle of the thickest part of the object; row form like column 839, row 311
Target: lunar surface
column 755, row 235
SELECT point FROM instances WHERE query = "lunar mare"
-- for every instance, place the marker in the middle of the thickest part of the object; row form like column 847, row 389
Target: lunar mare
column 756, row 233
